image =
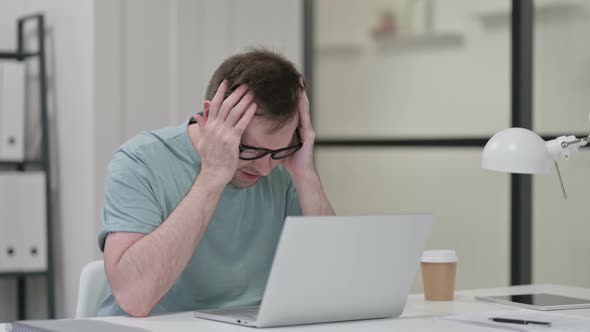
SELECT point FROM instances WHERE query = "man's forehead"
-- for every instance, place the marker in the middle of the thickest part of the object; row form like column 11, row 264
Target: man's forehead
column 263, row 124
column 260, row 133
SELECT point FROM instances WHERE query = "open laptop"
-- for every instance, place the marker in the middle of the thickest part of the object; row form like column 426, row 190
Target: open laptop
column 329, row 269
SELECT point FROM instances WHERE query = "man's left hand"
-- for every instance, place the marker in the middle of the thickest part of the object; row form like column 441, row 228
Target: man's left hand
column 301, row 164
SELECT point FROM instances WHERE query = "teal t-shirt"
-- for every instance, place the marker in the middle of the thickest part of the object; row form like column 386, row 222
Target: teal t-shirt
column 149, row 176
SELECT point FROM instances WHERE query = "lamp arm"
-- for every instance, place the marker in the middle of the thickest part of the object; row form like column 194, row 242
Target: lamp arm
column 563, row 147
column 581, row 141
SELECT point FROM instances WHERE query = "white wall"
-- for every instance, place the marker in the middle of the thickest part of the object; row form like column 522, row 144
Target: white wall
column 171, row 48
column 70, row 57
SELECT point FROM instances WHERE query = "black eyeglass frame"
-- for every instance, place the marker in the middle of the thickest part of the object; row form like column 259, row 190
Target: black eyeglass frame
column 272, row 153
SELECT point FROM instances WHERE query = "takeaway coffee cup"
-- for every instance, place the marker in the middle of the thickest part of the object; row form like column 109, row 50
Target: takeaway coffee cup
column 439, row 268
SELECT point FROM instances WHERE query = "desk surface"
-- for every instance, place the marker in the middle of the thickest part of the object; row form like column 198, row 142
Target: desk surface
column 418, row 315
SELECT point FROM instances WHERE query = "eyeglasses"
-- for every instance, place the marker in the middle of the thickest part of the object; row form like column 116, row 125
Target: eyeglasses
column 253, row 153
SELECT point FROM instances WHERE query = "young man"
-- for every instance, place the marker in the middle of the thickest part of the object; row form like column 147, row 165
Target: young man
column 193, row 213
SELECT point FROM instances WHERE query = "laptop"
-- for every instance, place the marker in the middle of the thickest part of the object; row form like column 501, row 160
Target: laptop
column 337, row 268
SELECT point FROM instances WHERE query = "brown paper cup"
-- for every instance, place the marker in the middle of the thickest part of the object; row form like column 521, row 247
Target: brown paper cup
column 439, row 281
column 439, row 269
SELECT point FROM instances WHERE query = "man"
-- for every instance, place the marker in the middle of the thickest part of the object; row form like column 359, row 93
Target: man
column 193, row 214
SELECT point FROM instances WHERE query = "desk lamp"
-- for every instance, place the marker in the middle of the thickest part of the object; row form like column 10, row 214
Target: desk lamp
column 519, row 150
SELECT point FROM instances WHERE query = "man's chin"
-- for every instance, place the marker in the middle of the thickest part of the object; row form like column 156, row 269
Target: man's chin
column 243, row 183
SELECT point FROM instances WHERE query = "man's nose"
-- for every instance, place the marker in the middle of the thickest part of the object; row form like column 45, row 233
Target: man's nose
column 265, row 165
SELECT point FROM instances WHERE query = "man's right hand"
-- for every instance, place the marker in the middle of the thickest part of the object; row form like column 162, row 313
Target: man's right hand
column 220, row 132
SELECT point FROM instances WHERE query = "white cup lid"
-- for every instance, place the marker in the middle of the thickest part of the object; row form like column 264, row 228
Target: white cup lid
column 439, row 256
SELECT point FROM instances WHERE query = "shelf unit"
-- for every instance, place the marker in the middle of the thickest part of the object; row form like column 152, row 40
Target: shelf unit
column 392, row 41
column 418, row 40
column 20, row 54
column 339, row 48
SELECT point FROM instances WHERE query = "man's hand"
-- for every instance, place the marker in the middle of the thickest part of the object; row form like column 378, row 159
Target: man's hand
column 220, row 131
column 301, row 164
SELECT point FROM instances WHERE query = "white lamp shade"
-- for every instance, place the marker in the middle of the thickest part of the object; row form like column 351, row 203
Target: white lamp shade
column 516, row 150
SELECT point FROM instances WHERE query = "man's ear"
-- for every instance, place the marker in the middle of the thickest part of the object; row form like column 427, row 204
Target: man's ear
column 206, row 108
column 202, row 118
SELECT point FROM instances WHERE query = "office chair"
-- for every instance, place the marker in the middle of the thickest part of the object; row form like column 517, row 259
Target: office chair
column 93, row 289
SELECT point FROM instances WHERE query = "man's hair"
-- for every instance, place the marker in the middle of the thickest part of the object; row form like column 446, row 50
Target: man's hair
column 272, row 79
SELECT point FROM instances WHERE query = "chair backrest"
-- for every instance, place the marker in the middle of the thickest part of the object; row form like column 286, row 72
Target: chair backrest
column 93, row 289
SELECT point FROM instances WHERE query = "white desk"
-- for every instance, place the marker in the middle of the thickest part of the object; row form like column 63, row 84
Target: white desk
column 418, row 315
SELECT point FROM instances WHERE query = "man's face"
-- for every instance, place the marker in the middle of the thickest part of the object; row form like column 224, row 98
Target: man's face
column 257, row 135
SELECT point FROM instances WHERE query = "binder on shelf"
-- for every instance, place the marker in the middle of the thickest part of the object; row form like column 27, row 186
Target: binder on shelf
column 23, row 235
column 23, row 227
column 12, row 111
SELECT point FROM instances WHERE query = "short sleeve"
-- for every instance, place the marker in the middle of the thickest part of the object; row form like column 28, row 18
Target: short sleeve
column 293, row 206
column 130, row 201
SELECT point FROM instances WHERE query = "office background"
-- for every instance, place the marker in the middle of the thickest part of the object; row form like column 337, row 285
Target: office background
column 117, row 67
